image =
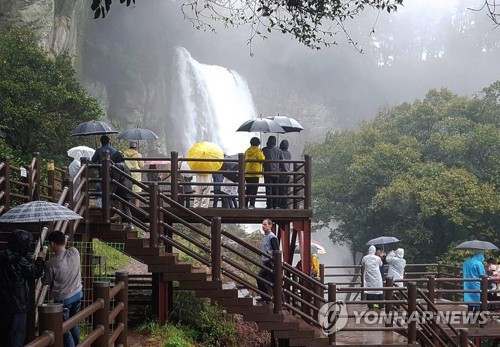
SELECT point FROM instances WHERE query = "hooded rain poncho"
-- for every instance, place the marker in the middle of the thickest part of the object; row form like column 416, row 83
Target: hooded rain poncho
column 473, row 268
column 371, row 275
column 396, row 265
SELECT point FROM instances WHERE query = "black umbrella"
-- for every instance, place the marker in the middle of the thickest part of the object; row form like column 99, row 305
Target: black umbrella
column 261, row 125
column 290, row 125
column 233, row 167
column 93, row 127
column 476, row 245
column 138, row 134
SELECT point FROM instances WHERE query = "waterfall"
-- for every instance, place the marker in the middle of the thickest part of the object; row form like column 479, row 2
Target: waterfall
column 208, row 103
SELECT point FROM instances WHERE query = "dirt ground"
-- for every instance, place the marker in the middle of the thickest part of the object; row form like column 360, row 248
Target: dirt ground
column 140, row 339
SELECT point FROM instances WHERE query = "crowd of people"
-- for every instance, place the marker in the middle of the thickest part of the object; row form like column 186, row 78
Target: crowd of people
column 270, row 163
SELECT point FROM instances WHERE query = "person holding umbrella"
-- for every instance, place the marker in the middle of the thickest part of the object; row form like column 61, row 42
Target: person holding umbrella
column 97, row 159
column 253, row 170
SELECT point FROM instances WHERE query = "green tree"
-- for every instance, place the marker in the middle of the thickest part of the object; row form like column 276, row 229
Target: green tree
column 313, row 23
column 427, row 173
column 41, row 100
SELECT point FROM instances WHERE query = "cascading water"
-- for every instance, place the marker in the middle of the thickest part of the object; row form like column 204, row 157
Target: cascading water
column 208, row 103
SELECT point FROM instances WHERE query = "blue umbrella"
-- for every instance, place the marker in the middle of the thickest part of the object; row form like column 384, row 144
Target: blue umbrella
column 38, row 211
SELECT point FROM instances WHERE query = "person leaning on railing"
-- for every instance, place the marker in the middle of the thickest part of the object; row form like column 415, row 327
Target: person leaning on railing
column 252, row 179
column 63, row 275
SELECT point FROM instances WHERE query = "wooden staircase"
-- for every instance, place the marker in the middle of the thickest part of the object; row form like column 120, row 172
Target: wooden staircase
column 282, row 325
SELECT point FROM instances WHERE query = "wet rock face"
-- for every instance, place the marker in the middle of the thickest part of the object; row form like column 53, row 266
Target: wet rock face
column 55, row 22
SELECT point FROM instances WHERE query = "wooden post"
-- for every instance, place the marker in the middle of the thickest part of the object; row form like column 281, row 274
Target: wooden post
column 439, row 284
column 101, row 316
column 241, row 181
column 216, row 248
column 278, row 281
column 153, row 214
column 412, row 309
column 51, row 182
column 484, row 293
column 105, row 183
column 431, row 287
column 308, row 181
column 362, row 280
column 388, row 294
column 174, row 175
column 464, row 337
column 122, row 317
column 332, row 298
column 51, row 319
column 86, row 199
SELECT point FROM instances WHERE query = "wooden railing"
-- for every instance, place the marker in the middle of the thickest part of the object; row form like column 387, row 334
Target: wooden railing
column 52, row 328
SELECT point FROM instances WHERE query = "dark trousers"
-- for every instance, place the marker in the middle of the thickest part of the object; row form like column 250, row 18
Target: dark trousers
column 72, row 337
column 251, row 189
column 271, row 190
column 283, row 190
column 375, row 297
column 265, row 274
column 12, row 329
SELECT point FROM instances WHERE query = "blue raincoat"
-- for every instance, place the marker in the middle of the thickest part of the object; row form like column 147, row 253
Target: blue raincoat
column 473, row 268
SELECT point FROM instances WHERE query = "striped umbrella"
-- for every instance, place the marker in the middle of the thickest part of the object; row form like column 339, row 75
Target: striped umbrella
column 38, row 211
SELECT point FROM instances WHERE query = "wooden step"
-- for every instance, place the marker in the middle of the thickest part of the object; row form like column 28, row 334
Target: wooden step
column 275, row 326
column 317, row 341
column 170, row 268
column 235, row 302
column 268, row 317
column 293, row 334
column 144, row 251
column 185, row 276
column 163, row 259
column 216, row 293
column 190, row 285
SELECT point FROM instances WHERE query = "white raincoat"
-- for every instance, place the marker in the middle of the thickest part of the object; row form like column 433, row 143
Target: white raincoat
column 396, row 265
column 372, row 276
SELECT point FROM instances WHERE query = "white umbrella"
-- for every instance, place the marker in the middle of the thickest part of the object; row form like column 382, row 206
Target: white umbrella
column 315, row 248
column 81, row 151
column 382, row 240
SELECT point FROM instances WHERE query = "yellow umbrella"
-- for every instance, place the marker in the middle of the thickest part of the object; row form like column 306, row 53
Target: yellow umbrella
column 205, row 150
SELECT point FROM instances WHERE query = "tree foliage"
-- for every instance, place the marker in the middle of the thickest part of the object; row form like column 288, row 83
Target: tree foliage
column 312, row 22
column 41, row 100
column 427, row 173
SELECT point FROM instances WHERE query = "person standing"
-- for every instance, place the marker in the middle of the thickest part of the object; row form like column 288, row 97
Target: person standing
column 62, row 274
column 473, row 268
column 204, row 189
column 118, row 159
column 397, row 264
column 283, row 180
column 253, row 170
column 97, row 159
column 271, row 169
column 132, row 152
column 372, row 277
column 16, row 270
column 269, row 244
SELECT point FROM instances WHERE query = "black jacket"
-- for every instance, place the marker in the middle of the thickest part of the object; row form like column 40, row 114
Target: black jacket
column 118, row 177
column 15, row 272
